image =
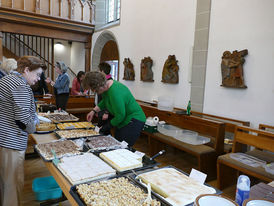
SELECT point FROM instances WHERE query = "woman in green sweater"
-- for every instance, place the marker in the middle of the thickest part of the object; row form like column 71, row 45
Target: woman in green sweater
column 129, row 117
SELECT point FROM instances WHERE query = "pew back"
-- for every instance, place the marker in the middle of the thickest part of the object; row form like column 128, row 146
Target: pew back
column 211, row 128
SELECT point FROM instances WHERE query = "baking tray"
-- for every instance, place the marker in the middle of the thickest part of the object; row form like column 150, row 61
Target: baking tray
column 72, row 138
column 70, row 127
column 49, row 160
column 133, row 176
column 80, row 202
column 44, row 132
column 55, row 164
column 103, row 149
column 147, row 163
column 74, row 118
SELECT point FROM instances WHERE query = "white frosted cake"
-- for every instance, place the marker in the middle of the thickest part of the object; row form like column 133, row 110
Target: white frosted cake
column 177, row 188
column 84, row 168
column 122, row 159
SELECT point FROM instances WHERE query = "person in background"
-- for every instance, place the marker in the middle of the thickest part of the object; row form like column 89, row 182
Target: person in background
column 7, row 66
column 61, row 85
column 105, row 68
column 18, row 119
column 128, row 116
column 41, row 88
column 76, row 88
column 104, row 116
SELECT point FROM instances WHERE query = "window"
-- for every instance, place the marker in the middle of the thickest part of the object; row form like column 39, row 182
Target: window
column 114, row 69
column 113, row 10
column 107, row 13
column 110, row 12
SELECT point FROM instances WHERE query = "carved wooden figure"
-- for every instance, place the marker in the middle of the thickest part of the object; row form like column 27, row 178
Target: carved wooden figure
column 170, row 70
column 129, row 73
column 232, row 69
column 146, row 70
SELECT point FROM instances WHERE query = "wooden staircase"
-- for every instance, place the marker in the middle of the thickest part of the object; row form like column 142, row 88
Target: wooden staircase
column 17, row 45
column 29, row 27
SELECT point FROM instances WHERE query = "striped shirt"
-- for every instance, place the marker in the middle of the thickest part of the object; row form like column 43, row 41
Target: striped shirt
column 17, row 104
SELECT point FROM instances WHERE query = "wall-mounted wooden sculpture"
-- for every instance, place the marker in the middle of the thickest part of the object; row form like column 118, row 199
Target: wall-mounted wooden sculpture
column 232, row 69
column 146, row 70
column 170, row 70
column 129, row 73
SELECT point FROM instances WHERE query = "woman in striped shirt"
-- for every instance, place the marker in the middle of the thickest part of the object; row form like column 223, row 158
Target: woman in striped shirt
column 18, row 119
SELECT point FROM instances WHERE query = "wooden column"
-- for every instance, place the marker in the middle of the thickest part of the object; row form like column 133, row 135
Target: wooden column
column 88, row 54
column 1, row 46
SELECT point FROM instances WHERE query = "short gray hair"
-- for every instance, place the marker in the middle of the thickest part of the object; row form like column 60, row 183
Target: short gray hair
column 9, row 65
column 62, row 66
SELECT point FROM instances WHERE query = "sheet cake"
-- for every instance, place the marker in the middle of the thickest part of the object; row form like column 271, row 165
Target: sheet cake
column 84, row 168
column 61, row 148
column 103, row 143
column 76, row 125
column 122, row 159
column 177, row 188
column 76, row 133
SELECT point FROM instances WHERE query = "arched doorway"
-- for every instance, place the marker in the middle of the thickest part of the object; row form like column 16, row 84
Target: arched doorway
column 106, row 50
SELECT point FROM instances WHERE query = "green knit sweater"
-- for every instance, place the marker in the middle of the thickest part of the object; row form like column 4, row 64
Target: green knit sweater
column 119, row 101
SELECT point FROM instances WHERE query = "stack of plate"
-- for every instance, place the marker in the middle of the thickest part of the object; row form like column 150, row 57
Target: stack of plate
column 262, row 202
column 211, row 199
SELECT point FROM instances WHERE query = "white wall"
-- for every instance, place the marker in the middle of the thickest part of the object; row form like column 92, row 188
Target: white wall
column 62, row 54
column 237, row 25
column 73, row 55
column 77, row 62
column 156, row 28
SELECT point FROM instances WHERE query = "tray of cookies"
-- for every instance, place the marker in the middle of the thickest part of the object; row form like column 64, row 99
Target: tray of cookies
column 120, row 190
column 76, row 133
column 103, row 143
column 57, row 149
column 75, row 125
column 60, row 117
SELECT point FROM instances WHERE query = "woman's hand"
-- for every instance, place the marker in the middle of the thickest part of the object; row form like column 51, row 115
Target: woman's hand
column 105, row 116
column 91, row 115
column 48, row 80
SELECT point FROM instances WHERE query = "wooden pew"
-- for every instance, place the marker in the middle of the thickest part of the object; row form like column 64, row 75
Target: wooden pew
column 230, row 124
column 266, row 127
column 228, row 168
column 206, row 154
column 73, row 101
column 79, row 106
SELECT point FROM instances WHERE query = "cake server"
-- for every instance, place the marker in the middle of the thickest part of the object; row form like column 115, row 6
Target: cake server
column 157, row 155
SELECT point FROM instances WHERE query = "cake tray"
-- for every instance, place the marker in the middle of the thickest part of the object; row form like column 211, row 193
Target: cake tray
column 80, row 201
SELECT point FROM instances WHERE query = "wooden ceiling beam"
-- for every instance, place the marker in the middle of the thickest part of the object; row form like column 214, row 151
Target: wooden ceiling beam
column 24, row 23
column 43, row 31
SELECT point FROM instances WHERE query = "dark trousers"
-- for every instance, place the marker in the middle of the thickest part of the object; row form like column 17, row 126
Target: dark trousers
column 62, row 100
column 130, row 133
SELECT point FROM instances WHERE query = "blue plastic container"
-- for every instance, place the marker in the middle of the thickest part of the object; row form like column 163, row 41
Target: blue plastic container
column 46, row 188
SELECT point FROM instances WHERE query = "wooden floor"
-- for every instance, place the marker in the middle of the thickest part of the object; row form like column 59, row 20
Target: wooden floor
column 34, row 167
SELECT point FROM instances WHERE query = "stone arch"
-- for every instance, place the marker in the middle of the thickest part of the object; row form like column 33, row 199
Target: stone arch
column 103, row 38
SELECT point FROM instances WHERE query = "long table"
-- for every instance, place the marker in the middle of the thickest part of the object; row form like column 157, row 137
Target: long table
column 60, row 179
